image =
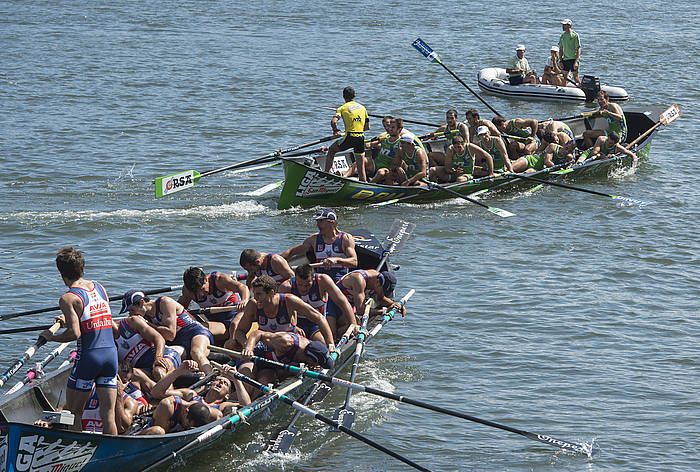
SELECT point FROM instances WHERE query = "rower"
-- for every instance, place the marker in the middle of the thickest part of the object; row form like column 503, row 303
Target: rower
column 334, row 248
column 606, row 146
column 450, row 129
column 387, row 144
column 557, row 154
column 140, row 345
column 356, row 121
column 174, row 323
column 617, row 122
column 459, row 164
column 495, row 147
column 559, row 129
column 410, row 162
column 524, row 135
column 264, row 263
column 88, row 319
column 216, row 289
column 378, row 285
column 474, row 121
column 317, row 290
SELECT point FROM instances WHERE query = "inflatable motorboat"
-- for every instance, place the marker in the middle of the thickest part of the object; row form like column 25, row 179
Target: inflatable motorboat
column 494, row 80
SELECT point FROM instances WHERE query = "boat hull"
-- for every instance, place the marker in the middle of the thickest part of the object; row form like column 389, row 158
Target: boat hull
column 306, row 186
column 494, row 81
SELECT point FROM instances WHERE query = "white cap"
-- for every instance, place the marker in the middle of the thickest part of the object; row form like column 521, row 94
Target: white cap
column 407, row 138
column 555, row 48
column 482, row 130
column 520, row 47
column 566, row 21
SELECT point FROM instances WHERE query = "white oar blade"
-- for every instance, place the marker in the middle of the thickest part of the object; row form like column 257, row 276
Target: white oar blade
column 265, row 189
column 671, row 114
column 169, row 184
column 629, row 201
column 500, row 212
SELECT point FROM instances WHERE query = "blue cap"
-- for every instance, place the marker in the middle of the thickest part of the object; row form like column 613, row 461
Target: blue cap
column 318, row 353
column 325, row 214
column 131, row 297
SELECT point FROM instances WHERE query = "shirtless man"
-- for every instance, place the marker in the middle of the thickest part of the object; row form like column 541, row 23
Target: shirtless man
column 451, row 129
column 524, row 135
column 317, row 290
column 617, row 123
column 495, row 148
column 264, row 263
column 88, row 319
column 215, row 290
column 174, row 323
column 334, row 248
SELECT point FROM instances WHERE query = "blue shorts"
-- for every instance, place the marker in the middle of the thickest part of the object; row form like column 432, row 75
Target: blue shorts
column 332, row 310
column 148, row 358
column 185, row 335
column 94, row 367
column 309, row 328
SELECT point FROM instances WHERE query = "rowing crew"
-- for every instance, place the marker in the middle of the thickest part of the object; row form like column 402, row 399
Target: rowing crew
column 481, row 148
column 126, row 366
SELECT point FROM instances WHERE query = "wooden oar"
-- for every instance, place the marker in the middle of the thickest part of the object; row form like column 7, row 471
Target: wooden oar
column 433, row 56
column 220, row 426
column 282, row 441
column 308, row 411
column 37, row 371
column 169, row 184
column 345, row 414
column 580, row 448
column 494, row 210
column 111, row 299
column 31, row 350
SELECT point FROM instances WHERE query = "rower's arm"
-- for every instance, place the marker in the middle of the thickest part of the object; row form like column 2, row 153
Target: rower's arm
column 311, row 314
column 533, row 124
column 449, row 157
column 168, row 328
column 464, row 132
column 150, row 334
column 229, row 283
column 338, row 298
column 163, row 387
column 279, row 264
column 422, row 167
column 70, row 306
column 504, row 153
column 296, row 250
column 350, row 259
column 624, row 150
column 246, row 322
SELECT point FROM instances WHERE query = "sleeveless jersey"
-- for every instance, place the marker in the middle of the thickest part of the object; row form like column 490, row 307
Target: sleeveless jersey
column 464, row 161
column 334, row 249
column 387, row 151
column 216, row 296
column 184, row 318
column 618, row 126
column 515, row 131
column 95, row 319
column 346, row 291
column 282, row 321
column 266, row 269
column 130, row 344
column 314, row 297
column 498, row 161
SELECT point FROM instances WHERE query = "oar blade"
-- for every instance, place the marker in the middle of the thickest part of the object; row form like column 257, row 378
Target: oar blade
column 671, row 114
column 344, row 416
column 169, row 184
column 320, row 394
column 426, row 50
column 577, row 448
column 500, row 212
column 266, row 189
column 628, row 200
column 283, row 441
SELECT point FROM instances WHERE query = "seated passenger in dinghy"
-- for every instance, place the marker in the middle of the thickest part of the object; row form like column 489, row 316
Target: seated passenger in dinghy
column 553, row 73
column 519, row 71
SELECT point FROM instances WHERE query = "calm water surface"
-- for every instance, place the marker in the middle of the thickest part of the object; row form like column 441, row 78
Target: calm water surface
column 577, row 318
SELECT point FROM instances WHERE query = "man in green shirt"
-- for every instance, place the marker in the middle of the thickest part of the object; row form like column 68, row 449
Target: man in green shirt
column 570, row 49
column 519, row 71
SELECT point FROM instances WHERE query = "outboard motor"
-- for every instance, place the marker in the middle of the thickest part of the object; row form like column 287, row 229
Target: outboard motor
column 590, row 85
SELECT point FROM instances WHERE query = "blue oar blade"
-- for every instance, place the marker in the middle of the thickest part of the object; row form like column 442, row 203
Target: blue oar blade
column 283, row 441
column 426, row 50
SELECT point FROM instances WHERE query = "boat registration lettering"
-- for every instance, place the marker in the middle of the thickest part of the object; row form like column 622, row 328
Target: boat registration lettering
column 340, row 164
column 36, row 452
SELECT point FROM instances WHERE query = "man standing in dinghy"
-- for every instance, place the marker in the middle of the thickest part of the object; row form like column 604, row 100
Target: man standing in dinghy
column 334, row 248
column 88, row 320
column 356, row 121
column 174, row 323
column 570, row 49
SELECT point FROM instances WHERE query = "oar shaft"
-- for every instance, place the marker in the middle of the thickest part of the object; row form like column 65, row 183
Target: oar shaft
column 24, row 329
column 111, row 299
column 557, row 184
column 413, row 122
column 26, row 356
column 36, row 372
column 455, row 193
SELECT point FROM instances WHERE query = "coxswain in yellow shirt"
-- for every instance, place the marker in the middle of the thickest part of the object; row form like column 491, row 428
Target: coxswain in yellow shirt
column 356, row 122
